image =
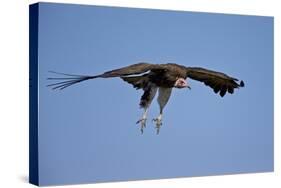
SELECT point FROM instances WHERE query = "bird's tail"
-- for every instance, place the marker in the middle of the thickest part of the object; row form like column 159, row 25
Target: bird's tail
column 68, row 80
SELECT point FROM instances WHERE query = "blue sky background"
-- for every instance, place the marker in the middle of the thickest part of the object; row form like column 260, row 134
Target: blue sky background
column 87, row 133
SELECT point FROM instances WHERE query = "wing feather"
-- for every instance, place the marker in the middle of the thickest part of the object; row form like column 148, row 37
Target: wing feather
column 219, row 82
column 134, row 69
column 71, row 79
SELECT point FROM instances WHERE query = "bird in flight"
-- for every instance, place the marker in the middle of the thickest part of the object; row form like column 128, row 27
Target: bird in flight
column 157, row 77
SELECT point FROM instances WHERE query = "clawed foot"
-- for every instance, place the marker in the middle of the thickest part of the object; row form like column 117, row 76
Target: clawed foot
column 142, row 123
column 158, row 123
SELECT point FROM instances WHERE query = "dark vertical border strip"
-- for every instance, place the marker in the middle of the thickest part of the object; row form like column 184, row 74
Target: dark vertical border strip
column 33, row 94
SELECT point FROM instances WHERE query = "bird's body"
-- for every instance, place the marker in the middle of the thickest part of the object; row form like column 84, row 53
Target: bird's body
column 158, row 77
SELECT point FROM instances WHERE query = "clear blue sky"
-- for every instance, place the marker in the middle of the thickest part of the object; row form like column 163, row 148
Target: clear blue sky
column 87, row 133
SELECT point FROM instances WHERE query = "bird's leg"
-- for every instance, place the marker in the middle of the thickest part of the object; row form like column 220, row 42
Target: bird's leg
column 146, row 99
column 158, row 122
column 143, row 119
column 163, row 97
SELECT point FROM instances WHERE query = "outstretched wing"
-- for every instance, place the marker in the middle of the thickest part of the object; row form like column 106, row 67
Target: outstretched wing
column 220, row 82
column 134, row 69
column 70, row 79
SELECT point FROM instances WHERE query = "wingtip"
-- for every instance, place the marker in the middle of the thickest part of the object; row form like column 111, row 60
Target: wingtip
column 242, row 84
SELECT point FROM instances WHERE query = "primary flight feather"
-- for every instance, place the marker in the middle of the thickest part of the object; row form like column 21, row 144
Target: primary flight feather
column 157, row 77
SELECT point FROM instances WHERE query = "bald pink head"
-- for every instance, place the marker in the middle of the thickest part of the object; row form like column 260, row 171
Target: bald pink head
column 181, row 83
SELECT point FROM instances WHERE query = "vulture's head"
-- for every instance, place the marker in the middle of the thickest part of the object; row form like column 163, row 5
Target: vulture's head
column 181, row 83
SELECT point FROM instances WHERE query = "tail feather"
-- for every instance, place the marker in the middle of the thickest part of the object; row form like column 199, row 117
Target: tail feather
column 68, row 81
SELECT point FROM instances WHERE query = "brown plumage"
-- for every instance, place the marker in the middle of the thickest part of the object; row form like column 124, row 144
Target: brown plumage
column 150, row 77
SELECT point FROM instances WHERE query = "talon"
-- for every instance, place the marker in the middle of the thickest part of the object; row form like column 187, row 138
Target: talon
column 158, row 130
column 158, row 124
column 143, row 124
